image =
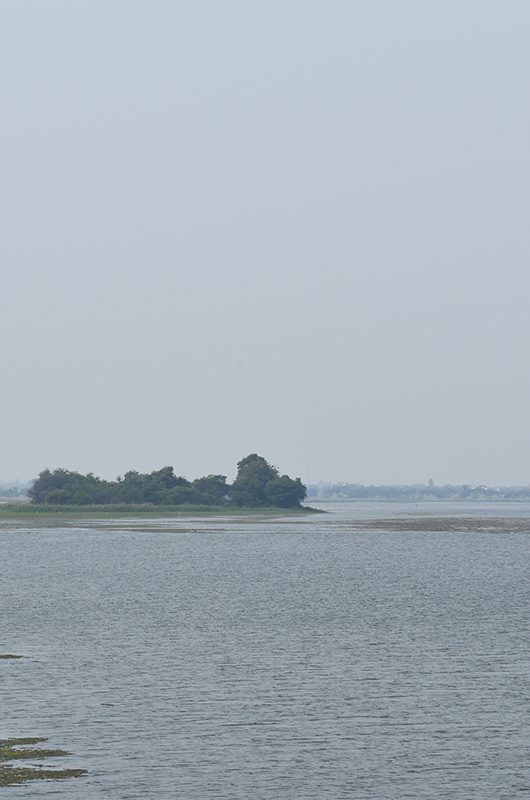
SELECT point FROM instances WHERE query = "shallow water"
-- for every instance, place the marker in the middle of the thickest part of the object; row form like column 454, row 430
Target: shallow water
column 294, row 658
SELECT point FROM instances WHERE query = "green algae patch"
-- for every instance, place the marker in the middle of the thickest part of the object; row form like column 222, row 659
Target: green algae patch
column 11, row 776
column 23, row 748
column 9, row 744
column 13, row 749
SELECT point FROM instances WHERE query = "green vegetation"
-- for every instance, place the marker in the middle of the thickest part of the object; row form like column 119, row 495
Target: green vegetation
column 9, row 749
column 17, row 749
column 257, row 485
column 24, row 749
column 110, row 510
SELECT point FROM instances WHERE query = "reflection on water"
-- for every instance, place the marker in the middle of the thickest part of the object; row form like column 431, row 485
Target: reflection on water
column 306, row 660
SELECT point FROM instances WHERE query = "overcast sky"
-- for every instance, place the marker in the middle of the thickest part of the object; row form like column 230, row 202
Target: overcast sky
column 293, row 227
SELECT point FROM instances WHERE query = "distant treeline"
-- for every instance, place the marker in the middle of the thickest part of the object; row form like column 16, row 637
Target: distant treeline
column 258, row 484
column 417, row 491
column 14, row 489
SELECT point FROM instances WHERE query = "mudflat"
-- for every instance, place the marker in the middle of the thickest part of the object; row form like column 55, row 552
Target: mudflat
column 447, row 524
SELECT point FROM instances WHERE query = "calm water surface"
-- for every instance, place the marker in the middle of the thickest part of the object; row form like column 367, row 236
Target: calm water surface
column 271, row 660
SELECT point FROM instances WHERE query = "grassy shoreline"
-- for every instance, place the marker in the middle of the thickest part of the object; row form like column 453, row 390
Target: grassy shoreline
column 28, row 510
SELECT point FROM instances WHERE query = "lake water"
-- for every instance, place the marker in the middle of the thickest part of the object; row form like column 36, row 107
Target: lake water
column 271, row 660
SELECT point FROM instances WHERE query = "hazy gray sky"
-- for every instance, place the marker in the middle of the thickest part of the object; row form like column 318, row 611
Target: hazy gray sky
column 296, row 228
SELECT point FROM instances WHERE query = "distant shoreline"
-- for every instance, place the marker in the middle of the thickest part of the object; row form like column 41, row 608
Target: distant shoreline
column 411, row 500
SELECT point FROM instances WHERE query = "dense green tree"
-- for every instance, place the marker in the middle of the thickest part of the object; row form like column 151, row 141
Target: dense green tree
column 285, row 492
column 253, row 474
column 45, row 483
column 153, row 487
column 180, row 495
column 64, row 486
column 257, row 484
column 212, row 488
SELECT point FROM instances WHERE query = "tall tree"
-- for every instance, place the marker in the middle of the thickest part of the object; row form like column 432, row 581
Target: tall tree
column 253, row 474
column 285, row 492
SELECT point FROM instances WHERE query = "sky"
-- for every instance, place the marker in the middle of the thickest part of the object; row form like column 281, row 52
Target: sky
column 296, row 228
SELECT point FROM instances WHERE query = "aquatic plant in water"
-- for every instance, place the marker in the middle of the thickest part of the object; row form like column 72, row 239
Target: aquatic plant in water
column 17, row 749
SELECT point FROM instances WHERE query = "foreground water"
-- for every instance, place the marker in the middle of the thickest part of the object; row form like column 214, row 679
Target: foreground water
column 296, row 658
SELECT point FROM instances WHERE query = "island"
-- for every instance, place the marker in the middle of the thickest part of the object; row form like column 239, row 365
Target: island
column 258, row 485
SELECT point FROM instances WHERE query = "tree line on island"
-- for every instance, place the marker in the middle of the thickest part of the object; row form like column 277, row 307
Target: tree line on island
column 258, row 484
